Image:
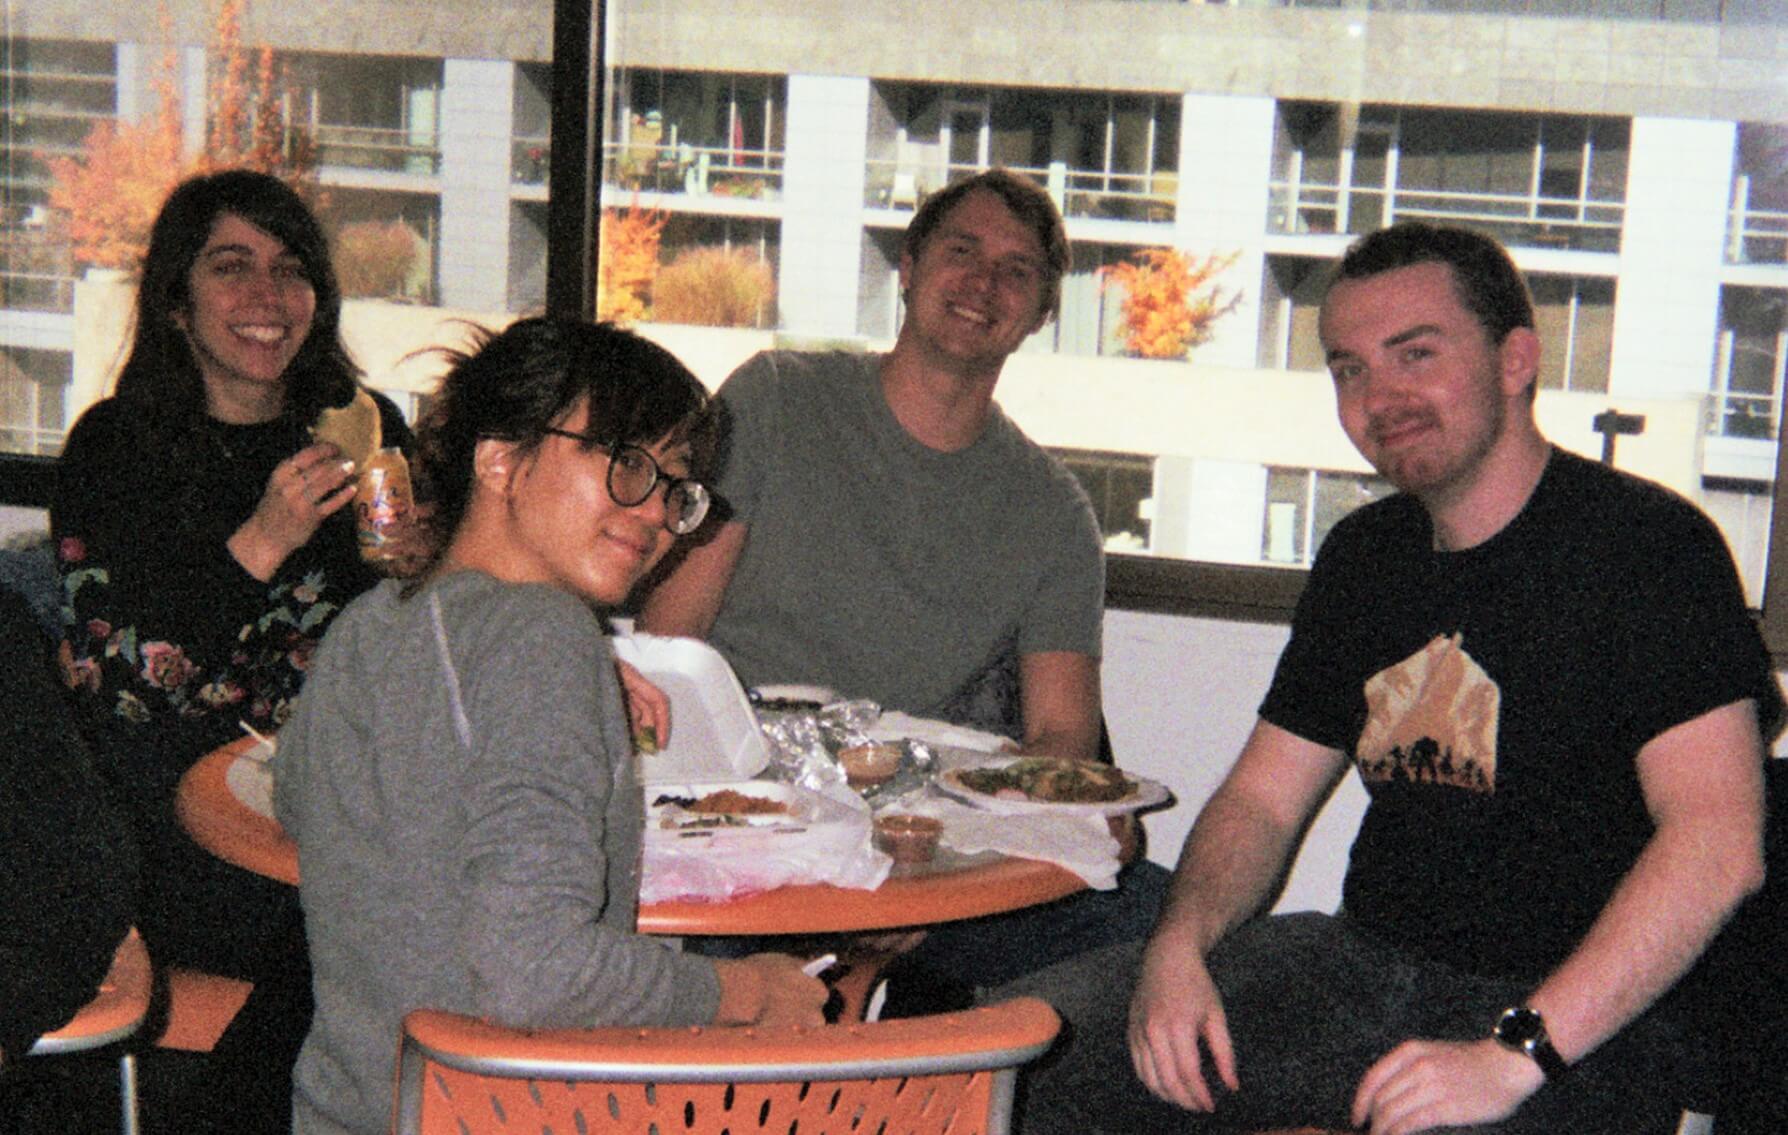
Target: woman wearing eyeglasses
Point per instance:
(459, 774)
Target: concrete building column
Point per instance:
(133, 93)
(1208, 509)
(823, 177)
(1666, 306)
(476, 115)
(1226, 157)
(194, 101)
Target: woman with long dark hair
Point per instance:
(205, 542)
(204, 539)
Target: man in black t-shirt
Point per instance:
(1546, 675)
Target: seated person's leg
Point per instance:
(958, 958)
(1309, 1007)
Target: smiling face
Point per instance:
(558, 524)
(250, 311)
(1421, 390)
(977, 288)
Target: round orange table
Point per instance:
(225, 826)
(954, 887)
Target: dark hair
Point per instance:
(1484, 278)
(1028, 202)
(161, 379)
(518, 383)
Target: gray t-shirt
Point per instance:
(883, 568)
(498, 879)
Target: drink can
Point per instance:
(382, 504)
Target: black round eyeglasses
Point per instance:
(632, 475)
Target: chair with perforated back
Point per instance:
(112, 1016)
(951, 1074)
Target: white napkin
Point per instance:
(734, 863)
(895, 726)
(1082, 844)
(250, 780)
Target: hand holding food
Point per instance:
(301, 492)
(648, 709)
(354, 429)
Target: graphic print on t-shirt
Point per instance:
(1431, 719)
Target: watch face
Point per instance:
(1519, 1028)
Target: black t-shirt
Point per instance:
(1495, 699)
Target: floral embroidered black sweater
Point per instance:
(169, 642)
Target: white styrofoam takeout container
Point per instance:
(714, 735)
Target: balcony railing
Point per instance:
(710, 171)
(36, 273)
(902, 184)
(1522, 220)
(1756, 236)
(1744, 415)
(394, 149)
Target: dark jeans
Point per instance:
(959, 960)
(243, 1086)
(1311, 1005)
(981, 954)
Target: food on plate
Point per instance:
(788, 705)
(354, 429)
(1050, 780)
(908, 838)
(721, 808)
(866, 766)
(728, 802)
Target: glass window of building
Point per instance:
(763, 166)
(424, 154)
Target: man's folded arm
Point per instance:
(687, 601)
(1703, 785)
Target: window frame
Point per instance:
(1245, 593)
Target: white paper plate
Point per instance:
(251, 781)
(1148, 794)
(896, 726)
(808, 813)
(714, 734)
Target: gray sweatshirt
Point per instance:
(495, 875)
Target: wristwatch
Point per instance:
(1523, 1030)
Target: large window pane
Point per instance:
(426, 162)
(1231, 455)
(1650, 216)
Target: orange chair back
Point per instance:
(113, 1015)
(115, 1012)
(950, 1074)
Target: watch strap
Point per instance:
(1523, 1030)
(1547, 1057)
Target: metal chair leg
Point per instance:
(127, 1093)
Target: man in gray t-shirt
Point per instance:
(892, 534)
(888, 570)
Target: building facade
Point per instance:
(1635, 161)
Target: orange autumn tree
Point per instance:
(627, 262)
(106, 197)
(1171, 300)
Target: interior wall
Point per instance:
(1180, 698)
